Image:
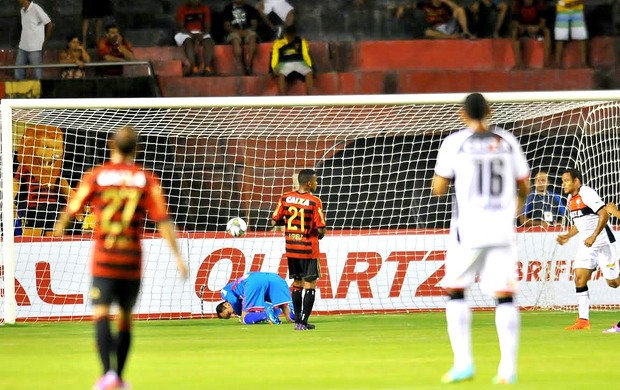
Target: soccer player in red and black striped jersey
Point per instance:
(301, 214)
(120, 193)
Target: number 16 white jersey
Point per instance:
(485, 168)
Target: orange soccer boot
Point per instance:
(580, 324)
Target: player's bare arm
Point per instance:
(612, 209)
(523, 189)
(61, 224)
(321, 232)
(167, 232)
(439, 186)
(563, 238)
(603, 217)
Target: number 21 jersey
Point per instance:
(302, 214)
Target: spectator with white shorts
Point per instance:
(290, 57)
(194, 20)
(276, 14)
(570, 19)
(595, 250)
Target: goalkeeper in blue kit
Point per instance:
(256, 297)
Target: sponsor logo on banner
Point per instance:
(371, 273)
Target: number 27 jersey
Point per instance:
(485, 168)
(303, 215)
(120, 195)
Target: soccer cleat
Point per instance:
(310, 326)
(122, 385)
(498, 380)
(580, 324)
(456, 376)
(613, 329)
(109, 381)
(273, 318)
(299, 326)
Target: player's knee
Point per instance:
(101, 312)
(310, 285)
(456, 294)
(613, 283)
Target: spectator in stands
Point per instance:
(489, 17)
(194, 20)
(528, 21)
(570, 18)
(290, 57)
(445, 19)
(94, 10)
(36, 30)
(240, 23)
(74, 54)
(542, 207)
(413, 19)
(113, 47)
(276, 14)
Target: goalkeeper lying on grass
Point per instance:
(256, 297)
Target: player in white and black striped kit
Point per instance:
(491, 182)
(590, 221)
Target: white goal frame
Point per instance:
(8, 105)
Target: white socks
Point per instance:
(583, 303)
(458, 316)
(508, 324)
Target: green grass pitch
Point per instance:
(408, 351)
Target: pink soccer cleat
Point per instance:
(613, 329)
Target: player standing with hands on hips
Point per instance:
(120, 193)
(302, 215)
(590, 218)
(491, 182)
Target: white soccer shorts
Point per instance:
(603, 257)
(495, 266)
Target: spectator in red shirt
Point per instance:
(446, 20)
(194, 20)
(113, 47)
(528, 21)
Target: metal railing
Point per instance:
(149, 66)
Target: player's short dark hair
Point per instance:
(476, 106)
(305, 175)
(219, 309)
(574, 174)
(126, 140)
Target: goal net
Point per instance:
(226, 157)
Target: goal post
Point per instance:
(224, 157)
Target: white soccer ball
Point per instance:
(236, 227)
